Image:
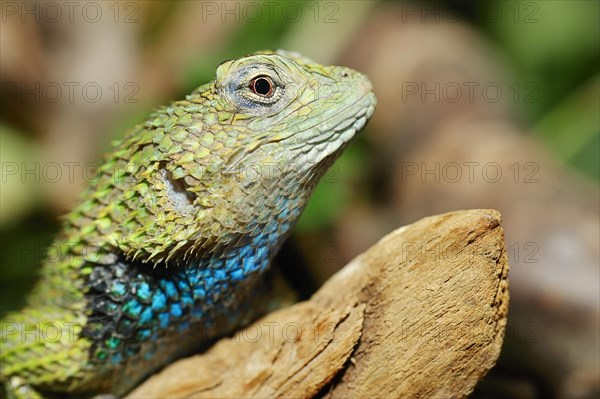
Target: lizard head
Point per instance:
(295, 110)
(289, 118)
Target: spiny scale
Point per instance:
(169, 247)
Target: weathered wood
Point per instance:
(421, 314)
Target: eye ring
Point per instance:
(262, 86)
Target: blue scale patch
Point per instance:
(237, 275)
(159, 301)
(230, 264)
(146, 316)
(163, 320)
(143, 292)
(187, 300)
(169, 288)
(199, 292)
(182, 285)
(133, 303)
(144, 334)
(118, 289)
(132, 308)
(112, 342)
(220, 275)
(176, 310)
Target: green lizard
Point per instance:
(174, 236)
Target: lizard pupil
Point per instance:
(262, 86)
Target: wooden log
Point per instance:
(421, 314)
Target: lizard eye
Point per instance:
(262, 86)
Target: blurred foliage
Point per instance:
(248, 38)
(555, 44)
(552, 43)
(18, 195)
(22, 250)
(571, 128)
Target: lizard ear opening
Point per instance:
(177, 191)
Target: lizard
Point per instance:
(176, 233)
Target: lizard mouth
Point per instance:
(352, 124)
(335, 137)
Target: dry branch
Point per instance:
(421, 314)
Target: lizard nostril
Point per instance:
(344, 74)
